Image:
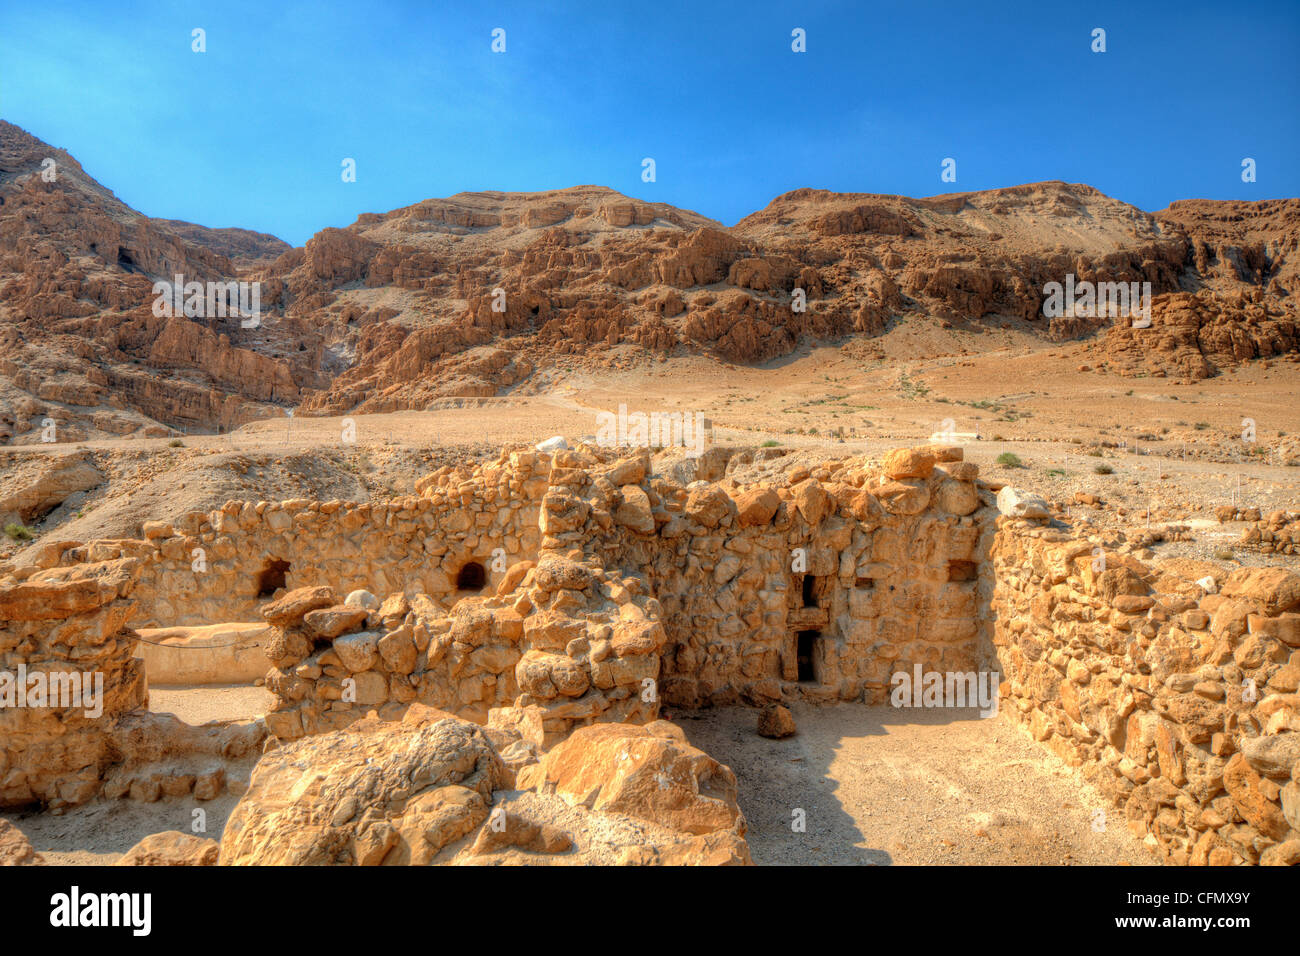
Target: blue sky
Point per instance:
(252, 132)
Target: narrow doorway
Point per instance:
(806, 643)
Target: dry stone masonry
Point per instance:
(547, 595)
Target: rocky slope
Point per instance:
(485, 292)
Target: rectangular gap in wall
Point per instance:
(864, 584)
(809, 595)
(962, 570)
(806, 640)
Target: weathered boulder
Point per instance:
(634, 512)
(373, 793)
(908, 463)
(290, 608)
(649, 772)
(1276, 589)
(756, 506)
(15, 848)
(172, 848)
(776, 722)
(1014, 503)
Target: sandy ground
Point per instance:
(199, 704)
(98, 833)
(878, 786)
(890, 786)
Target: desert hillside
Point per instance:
(400, 309)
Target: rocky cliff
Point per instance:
(480, 292)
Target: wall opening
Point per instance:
(809, 597)
(864, 584)
(471, 577)
(962, 570)
(271, 578)
(806, 641)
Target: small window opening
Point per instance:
(961, 570)
(471, 577)
(809, 598)
(271, 578)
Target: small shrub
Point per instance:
(770, 443)
(1223, 554)
(18, 532)
(176, 443)
(1104, 470)
(1008, 460)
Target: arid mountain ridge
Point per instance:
(396, 310)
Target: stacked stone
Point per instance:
(561, 645)
(1177, 695)
(897, 548)
(1278, 533)
(207, 567)
(62, 622)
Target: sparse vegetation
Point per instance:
(176, 443)
(770, 443)
(1008, 460)
(18, 532)
(1104, 470)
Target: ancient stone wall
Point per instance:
(872, 567)
(64, 631)
(1178, 698)
(221, 566)
(646, 591)
(561, 645)
(74, 722)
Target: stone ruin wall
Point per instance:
(894, 557)
(1180, 704)
(1135, 674)
(65, 623)
(413, 544)
(70, 622)
(645, 592)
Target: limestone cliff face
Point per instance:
(474, 293)
(81, 343)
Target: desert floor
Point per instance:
(877, 785)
